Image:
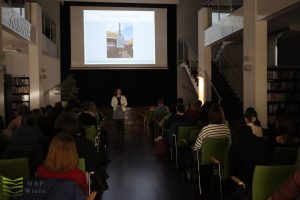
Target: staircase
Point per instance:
(232, 106)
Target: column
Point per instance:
(255, 61)
(2, 57)
(204, 53)
(35, 54)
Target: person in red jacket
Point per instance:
(290, 189)
(61, 162)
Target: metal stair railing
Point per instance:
(188, 58)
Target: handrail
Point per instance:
(189, 47)
(232, 64)
(213, 86)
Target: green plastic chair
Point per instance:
(81, 164)
(267, 179)
(201, 124)
(183, 135)
(15, 168)
(213, 151)
(285, 155)
(193, 136)
(91, 132)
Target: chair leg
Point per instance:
(220, 179)
(199, 178)
(176, 150)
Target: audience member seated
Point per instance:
(3, 139)
(172, 111)
(216, 128)
(29, 133)
(87, 117)
(290, 189)
(251, 120)
(61, 162)
(285, 129)
(68, 122)
(246, 152)
(204, 111)
(176, 118)
(17, 122)
(198, 104)
(160, 111)
(192, 113)
(179, 102)
(27, 141)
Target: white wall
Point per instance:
(17, 64)
(185, 89)
(187, 22)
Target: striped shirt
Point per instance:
(212, 130)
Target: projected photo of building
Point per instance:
(119, 39)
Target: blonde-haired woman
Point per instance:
(61, 162)
(119, 103)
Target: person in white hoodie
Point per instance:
(119, 103)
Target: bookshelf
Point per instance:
(20, 92)
(283, 91)
(17, 93)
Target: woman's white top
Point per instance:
(114, 102)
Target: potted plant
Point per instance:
(68, 89)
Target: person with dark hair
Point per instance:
(172, 111)
(176, 118)
(285, 129)
(17, 122)
(160, 110)
(119, 103)
(29, 133)
(251, 120)
(216, 128)
(86, 116)
(192, 113)
(179, 102)
(198, 105)
(204, 111)
(27, 141)
(246, 152)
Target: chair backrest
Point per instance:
(214, 147)
(201, 124)
(150, 115)
(193, 136)
(285, 155)
(15, 168)
(81, 164)
(267, 179)
(183, 135)
(91, 132)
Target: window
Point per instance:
(48, 27)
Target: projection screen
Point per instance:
(118, 38)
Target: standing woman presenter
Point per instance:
(119, 103)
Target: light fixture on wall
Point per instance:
(201, 85)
